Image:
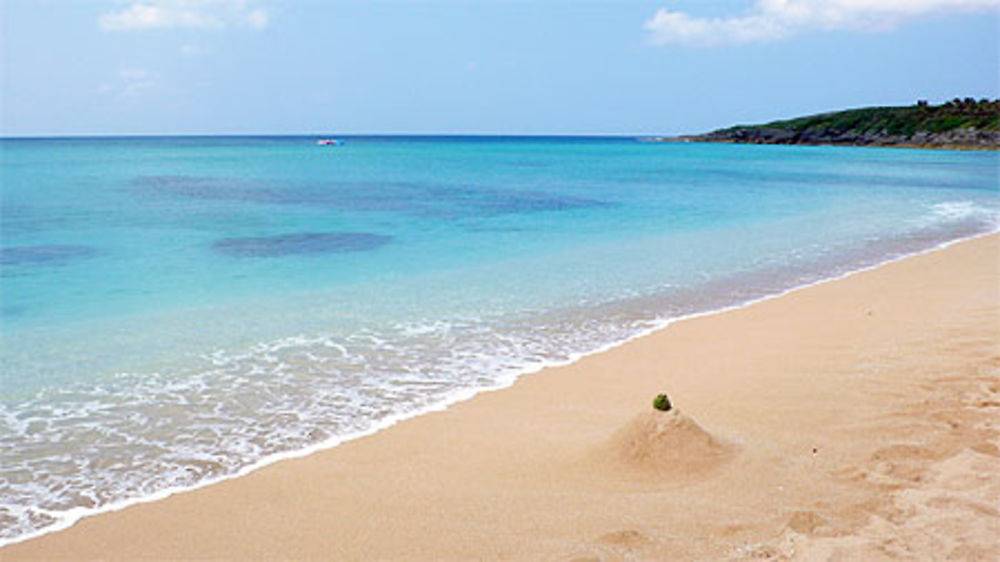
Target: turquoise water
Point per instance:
(177, 310)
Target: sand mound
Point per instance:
(667, 443)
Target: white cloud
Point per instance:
(129, 83)
(191, 50)
(771, 20)
(190, 14)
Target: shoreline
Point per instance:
(960, 147)
(326, 449)
(75, 515)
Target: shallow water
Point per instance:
(175, 310)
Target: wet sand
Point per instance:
(856, 419)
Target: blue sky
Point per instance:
(450, 66)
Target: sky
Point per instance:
(119, 67)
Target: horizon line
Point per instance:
(69, 136)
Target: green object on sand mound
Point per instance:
(662, 403)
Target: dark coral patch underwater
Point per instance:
(413, 198)
(301, 243)
(44, 254)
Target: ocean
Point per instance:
(179, 310)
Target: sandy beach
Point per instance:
(858, 419)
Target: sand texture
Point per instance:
(854, 420)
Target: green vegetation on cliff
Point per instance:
(958, 123)
(956, 114)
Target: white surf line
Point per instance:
(68, 518)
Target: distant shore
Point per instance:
(855, 418)
(701, 139)
(960, 124)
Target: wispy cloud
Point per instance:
(191, 50)
(772, 20)
(129, 83)
(180, 14)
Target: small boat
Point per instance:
(329, 142)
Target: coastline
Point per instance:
(545, 461)
(959, 124)
(961, 147)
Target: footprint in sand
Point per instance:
(948, 502)
(986, 448)
(905, 462)
(627, 544)
(629, 538)
(806, 523)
